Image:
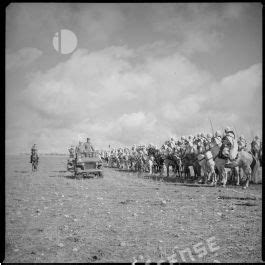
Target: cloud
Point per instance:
(114, 98)
(239, 95)
(22, 58)
(195, 27)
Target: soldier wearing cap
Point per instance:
(87, 147)
(242, 143)
(218, 138)
(229, 136)
(229, 133)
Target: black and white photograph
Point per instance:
(133, 132)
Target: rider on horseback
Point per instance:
(209, 140)
(34, 151)
(229, 136)
(227, 141)
(242, 143)
(256, 146)
(218, 138)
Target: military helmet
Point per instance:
(227, 129)
(209, 135)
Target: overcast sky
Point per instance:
(140, 73)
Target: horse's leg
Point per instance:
(161, 169)
(247, 171)
(237, 175)
(150, 167)
(213, 175)
(224, 175)
(202, 178)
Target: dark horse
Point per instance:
(175, 162)
(191, 160)
(158, 159)
(34, 160)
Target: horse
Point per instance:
(171, 159)
(34, 160)
(188, 160)
(247, 161)
(156, 160)
(114, 161)
(125, 161)
(205, 160)
(139, 165)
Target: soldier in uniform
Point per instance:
(88, 147)
(218, 138)
(207, 141)
(34, 150)
(227, 140)
(72, 152)
(242, 143)
(255, 146)
(229, 135)
(78, 149)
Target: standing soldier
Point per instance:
(78, 149)
(88, 147)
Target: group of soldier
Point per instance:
(226, 138)
(196, 144)
(138, 156)
(82, 149)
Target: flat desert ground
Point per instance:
(124, 217)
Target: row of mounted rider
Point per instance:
(212, 154)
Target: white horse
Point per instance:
(242, 159)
